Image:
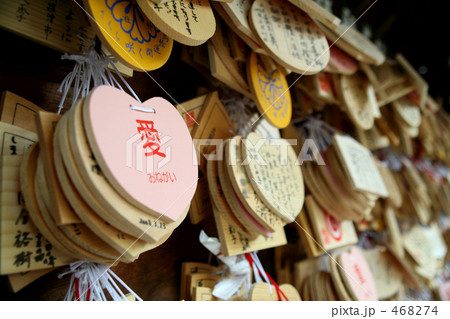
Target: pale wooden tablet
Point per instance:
(236, 15)
(129, 34)
(290, 36)
(388, 278)
(244, 189)
(57, 25)
(221, 73)
(129, 246)
(354, 97)
(187, 22)
(261, 292)
(27, 186)
(221, 42)
(271, 91)
(354, 43)
(252, 224)
(395, 196)
(15, 140)
(306, 234)
(217, 196)
(19, 281)
(233, 242)
(315, 11)
(23, 246)
(278, 180)
(142, 224)
(330, 232)
(60, 209)
(356, 275)
(338, 284)
(359, 165)
(408, 112)
(188, 268)
(18, 111)
(77, 236)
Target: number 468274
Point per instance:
(415, 310)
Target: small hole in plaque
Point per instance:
(142, 109)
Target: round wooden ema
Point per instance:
(244, 189)
(27, 182)
(123, 132)
(261, 292)
(407, 111)
(354, 43)
(336, 279)
(129, 34)
(251, 224)
(188, 22)
(340, 62)
(75, 250)
(79, 234)
(355, 99)
(81, 187)
(327, 287)
(127, 245)
(141, 224)
(271, 90)
(275, 175)
(356, 275)
(290, 36)
(388, 279)
(217, 195)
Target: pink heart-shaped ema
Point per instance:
(144, 150)
(357, 275)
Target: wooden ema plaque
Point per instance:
(234, 242)
(55, 24)
(330, 232)
(315, 11)
(163, 141)
(187, 22)
(18, 111)
(129, 34)
(359, 166)
(290, 36)
(214, 124)
(356, 275)
(354, 43)
(23, 247)
(261, 292)
(235, 13)
(278, 179)
(271, 90)
(87, 176)
(59, 206)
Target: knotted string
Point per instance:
(240, 111)
(91, 69)
(259, 271)
(237, 274)
(317, 130)
(91, 279)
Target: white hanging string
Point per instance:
(238, 274)
(257, 265)
(319, 131)
(90, 279)
(239, 110)
(90, 68)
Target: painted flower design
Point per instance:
(132, 20)
(272, 88)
